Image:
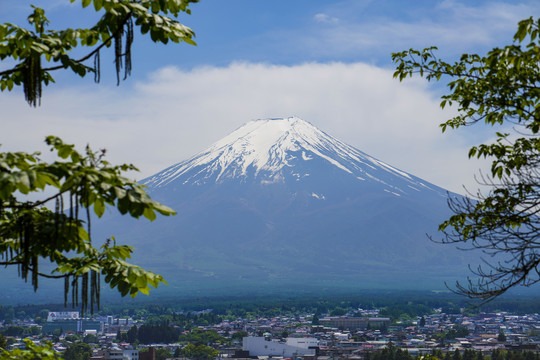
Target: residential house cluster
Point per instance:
(352, 336)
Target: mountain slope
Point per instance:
(280, 204)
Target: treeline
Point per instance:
(186, 321)
(187, 312)
(150, 334)
(391, 352)
(495, 355)
(164, 334)
(20, 331)
(206, 337)
(397, 311)
(392, 304)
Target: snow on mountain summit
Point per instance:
(268, 147)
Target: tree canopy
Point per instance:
(31, 233)
(31, 351)
(199, 352)
(501, 90)
(78, 351)
(38, 51)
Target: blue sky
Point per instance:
(325, 61)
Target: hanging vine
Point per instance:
(127, 52)
(122, 59)
(27, 234)
(118, 53)
(31, 79)
(97, 67)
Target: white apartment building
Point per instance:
(259, 346)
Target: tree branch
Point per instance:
(81, 60)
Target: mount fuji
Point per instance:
(280, 205)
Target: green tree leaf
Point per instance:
(501, 90)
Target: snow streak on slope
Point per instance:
(271, 145)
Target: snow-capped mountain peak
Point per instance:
(267, 148)
(262, 144)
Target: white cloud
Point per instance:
(175, 114)
(455, 27)
(325, 19)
